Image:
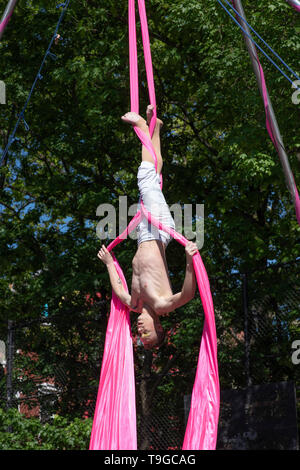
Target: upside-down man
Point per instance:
(151, 292)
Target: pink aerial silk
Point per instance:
(114, 425)
(202, 427)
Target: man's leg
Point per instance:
(156, 137)
(137, 120)
(147, 180)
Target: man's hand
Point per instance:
(190, 249)
(105, 256)
(116, 283)
(168, 304)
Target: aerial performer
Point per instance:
(151, 292)
(114, 423)
(7, 15)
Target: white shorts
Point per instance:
(155, 203)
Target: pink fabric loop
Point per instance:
(114, 425)
(202, 427)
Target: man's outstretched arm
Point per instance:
(188, 290)
(116, 283)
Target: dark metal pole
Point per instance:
(246, 329)
(10, 357)
(271, 115)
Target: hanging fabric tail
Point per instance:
(7, 15)
(114, 425)
(202, 427)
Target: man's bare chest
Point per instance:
(150, 280)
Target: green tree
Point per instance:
(77, 154)
(31, 434)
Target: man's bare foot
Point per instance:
(134, 119)
(149, 113)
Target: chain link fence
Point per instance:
(257, 318)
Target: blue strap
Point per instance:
(53, 56)
(39, 76)
(257, 45)
(21, 116)
(265, 43)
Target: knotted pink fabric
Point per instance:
(114, 415)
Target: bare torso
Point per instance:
(150, 279)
